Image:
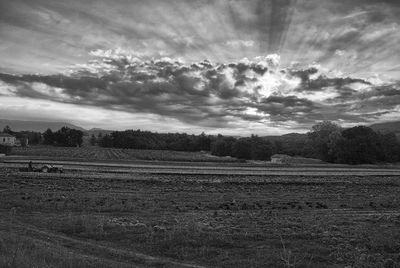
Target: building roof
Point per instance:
(6, 135)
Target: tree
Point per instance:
(359, 145)
(5, 149)
(204, 142)
(390, 147)
(222, 147)
(68, 137)
(93, 140)
(8, 130)
(48, 137)
(242, 148)
(106, 141)
(324, 138)
(260, 149)
(35, 138)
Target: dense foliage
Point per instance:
(5, 149)
(326, 141)
(356, 145)
(137, 139)
(63, 137)
(244, 148)
(25, 137)
(255, 148)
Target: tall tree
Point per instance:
(260, 149)
(68, 137)
(93, 140)
(48, 137)
(242, 148)
(324, 136)
(8, 130)
(360, 145)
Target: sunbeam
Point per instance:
(206, 63)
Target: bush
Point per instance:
(65, 136)
(242, 149)
(222, 146)
(5, 149)
(356, 145)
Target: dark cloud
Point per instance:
(210, 94)
(284, 108)
(321, 82)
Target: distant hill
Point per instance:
(97, 131)
(387, 127)
(288, 137)
(290, 144)
(39, 126)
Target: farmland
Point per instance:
(197, 214)
(98, 153)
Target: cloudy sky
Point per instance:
(223, 66)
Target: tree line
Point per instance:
(65, 136)
(326, 141)
(24, 137)
(356, 145)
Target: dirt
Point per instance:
(136, 217)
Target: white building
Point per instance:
(280, 159)
(7, 139)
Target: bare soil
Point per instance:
(193, 216)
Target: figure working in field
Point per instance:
(30, 167)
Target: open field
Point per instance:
(90, 153)
(190, 215)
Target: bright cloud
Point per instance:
(216, 65)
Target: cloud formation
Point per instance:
(208, 94)
(271, 63)
(47, 36)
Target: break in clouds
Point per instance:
(228, 66)
(208, 94)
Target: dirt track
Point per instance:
(188, 168)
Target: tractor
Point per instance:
(46, 168)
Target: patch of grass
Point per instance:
(19, 252)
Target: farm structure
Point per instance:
(280, 159)
(7, 139)
(293, 160)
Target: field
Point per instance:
(89, 153)
(156, 214)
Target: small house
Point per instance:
(7, 139)
(280, 159)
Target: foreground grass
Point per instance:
(378, 247)
(61, 222)
(17, 251)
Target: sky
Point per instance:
(234, 67)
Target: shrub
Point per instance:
(5, 149)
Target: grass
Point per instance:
(18, 250)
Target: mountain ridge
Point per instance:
(392, 126)
(37, 126)
(41, 126)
